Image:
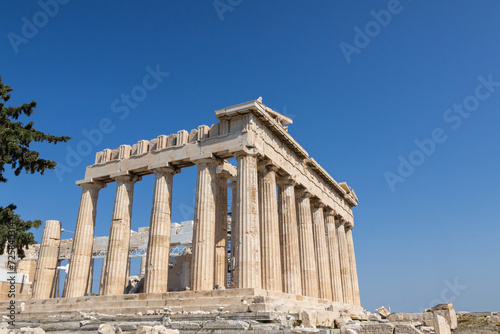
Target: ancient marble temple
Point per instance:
(291, 222)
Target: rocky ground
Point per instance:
(474, 323)
(441, 319)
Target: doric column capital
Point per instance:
(317, 203)
(85, 184)
(266, 165)
(339, 220)
(349, 225)
(207, 160)
(285, 180)
(126, 177)
(329, 212)
(302, 193)
(169, 169)
(226, 171)
(246, 152)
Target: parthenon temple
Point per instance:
(290, 222)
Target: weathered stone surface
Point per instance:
(308, 265)
(185, 325)
(318, 318)
(425, 318)
(384, 313)
(43, 283)
(156, 264)
(368, 328)
(81, 253)
(226, 324)
(345, 265)
(246, 234)
(440, 325)
(159, 329)
(406, 329)
(342, 320)
(27, 330)
(202, 268)
(269, 228)
(117, 258)
(447, 311)
(292, 281)
(106, 329)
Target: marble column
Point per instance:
(55, 286)
(203, 260)
(143, 266)
(81, 251)
(115, 278)
(352, 260)
(309, 269)
(234, 202)
(103, 272)
(88, 290)
(289, 237)
(269, 228)
(334, 257)
(43, 282)
(345, 264)
(247, 265)
(220, 231)
(158, 252)
(321, 249)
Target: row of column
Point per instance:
(282, 239)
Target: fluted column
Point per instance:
(43, 283)
(115, 278)
(334, 257)
(220, 231)
(88, 290)
(202, 264)
(352, 260)
(345, 264)
(234, 202)
(289, 237)
(103, 273)
(321, 249)
(81, 251)
(158, 253)
(143, 266)
(269, 228)
(309, 270)
(55, 287)
(247, 271)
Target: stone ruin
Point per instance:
(292, 254)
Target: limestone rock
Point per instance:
(27, 330)
(159, 329)
(317, 318)
(441, 325)
(406, 329)
(226, 324)
(343, 320)
(107, 329)
(447, 311)
(368, 328)
(384, 313)
(425, 318)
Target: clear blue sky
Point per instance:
(358, 107)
